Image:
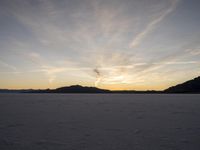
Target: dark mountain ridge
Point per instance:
(191, 86)
(79, 89)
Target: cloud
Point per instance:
(52, 72)
(122, 68)
(6, 65)
(178, 62)
(97, 81)
(138, 39)
(98, 76)
(91, 38)
(194, 52)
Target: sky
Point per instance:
(111, 44)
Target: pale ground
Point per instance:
(99, 122)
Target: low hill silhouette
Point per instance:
(191, 86)
(79, 89)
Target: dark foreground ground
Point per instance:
(99, 122)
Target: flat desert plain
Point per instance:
(99, 122)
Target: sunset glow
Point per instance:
(111, 44)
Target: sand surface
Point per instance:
(99, 122)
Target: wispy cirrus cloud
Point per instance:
(6, 65)
(194, 52)
(150, 26)
(91, 39)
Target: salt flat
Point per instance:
(99, 122)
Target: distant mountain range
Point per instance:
(191, 86)
(75, 89)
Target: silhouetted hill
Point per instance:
(79, 89)
(191, 86)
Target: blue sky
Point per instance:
(114, 44)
